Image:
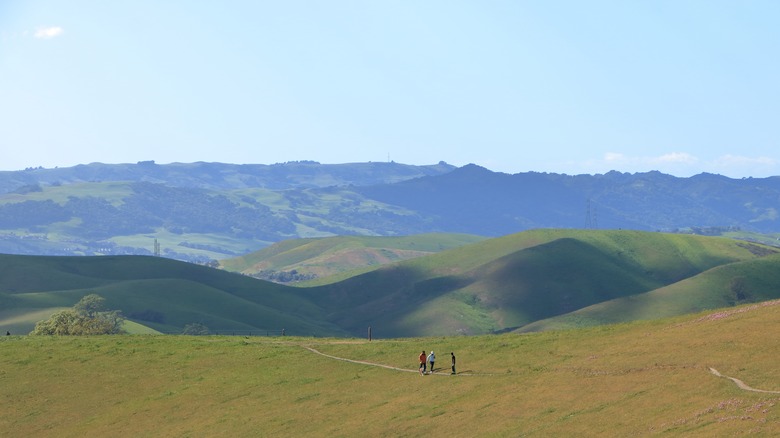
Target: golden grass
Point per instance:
(644, 379)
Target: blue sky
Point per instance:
(572, 87)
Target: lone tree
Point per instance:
(88, 317)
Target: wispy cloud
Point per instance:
(672, 158)
(676, 157)
(48, 32)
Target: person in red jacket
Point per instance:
(423, 360)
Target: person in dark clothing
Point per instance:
(453, 363)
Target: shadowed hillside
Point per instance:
(500, 204)
(160, 293)
(505, 283)
(728, 285)
(489, 286)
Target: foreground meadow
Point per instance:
(647, 378)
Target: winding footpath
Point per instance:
(358, 361)
(741, 384)
(362, 362)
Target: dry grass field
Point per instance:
(638, 379)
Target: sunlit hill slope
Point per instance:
(639, 379)
(581, 277)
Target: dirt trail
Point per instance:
(362, 362)
(741, 384)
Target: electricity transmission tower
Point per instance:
(591, 216)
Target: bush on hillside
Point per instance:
(195, 329)
(283, 276)
(88, 317)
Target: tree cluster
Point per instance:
(88, 317)
(283, 276)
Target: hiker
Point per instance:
(422, 363)
(453, 363)
(7, 333)
(431, 359)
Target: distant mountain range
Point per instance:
(221, 176)
(211, 211)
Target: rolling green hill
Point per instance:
(735, 283)
(640, 379)
(489, 286)
(339, 257)
(159, 293)
(506, 283)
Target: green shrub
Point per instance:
(87, 317)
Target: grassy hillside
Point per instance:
(639, 379)
(160, 293)
(508, 282)
(735, 283)
(772, 239)
(194, 224)
(489, 286)
(332, 257)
